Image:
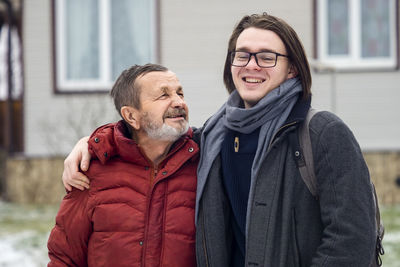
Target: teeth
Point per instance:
(253, 80)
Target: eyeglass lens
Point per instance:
(263, 59)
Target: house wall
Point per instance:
(193, 43)
(368, 103)
(53, 122)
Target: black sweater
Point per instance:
(237, 153)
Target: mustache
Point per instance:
(176, 112)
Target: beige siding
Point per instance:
(367, 102)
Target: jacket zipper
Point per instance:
(146, 227)
(153, 177)
(281, 128)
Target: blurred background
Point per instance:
(59, 59)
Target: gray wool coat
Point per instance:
(286, 226)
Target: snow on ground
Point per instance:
(23, 249)
(24, 230)
(391, 245)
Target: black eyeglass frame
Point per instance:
(232, 53)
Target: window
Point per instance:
(357, 34)
(96, 39)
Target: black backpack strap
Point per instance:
(197, 134)
(307, 171)
(380, 229)
(302, 150)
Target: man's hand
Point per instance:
(72, 177)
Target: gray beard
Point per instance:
(165, 132)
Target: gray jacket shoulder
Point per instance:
(324, 119)
(328, 129)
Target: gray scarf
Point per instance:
(269, 113)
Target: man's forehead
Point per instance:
(252, 39)
(160, 80)
(159, 76)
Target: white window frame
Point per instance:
(104, 82)
(354, 60)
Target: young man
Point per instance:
(139, 210)
(253, 208)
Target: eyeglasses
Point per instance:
(263, 59)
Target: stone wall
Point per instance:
(34, 180)
(38, 180)
(384, 169)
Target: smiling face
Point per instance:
(253, 82)
(163, 113)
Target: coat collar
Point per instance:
(296, 116)
(300, 110)
(112, 140)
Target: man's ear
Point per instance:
(131, 116)
(292, 71)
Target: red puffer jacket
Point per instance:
(133, 215)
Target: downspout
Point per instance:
(9, 147)
(10, 113)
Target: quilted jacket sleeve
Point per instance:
(68, 241)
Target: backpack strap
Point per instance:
(380, 231)
(307, 167)
(197, 135)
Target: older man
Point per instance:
(140, 206)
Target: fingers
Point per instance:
(79, 181)
(85, 161)
(72, 177)
(67, 186)
(67, 173)
(83, 151)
